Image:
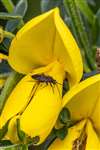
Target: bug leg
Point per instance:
(58, 83)
(44, 85)
(33, 91)
(52, 87)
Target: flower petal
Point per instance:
(67, 51)
(82, 98)
(45, 39)
(12, 131)
(32, 46)
(96, 115)
(39, 116)
(73, 133)
(17, 99)
(70, 142)
(93, 141)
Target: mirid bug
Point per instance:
(44, 78)
(40, 78)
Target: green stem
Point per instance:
(85, 63)
(77, 21)
(4, 75)
(8, 4)
(24, 147)
(8, 35)
(86, 68)
(12, 147)
(8, 87)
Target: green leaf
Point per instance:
(4, 75)
(24, 147)
(61, 133)
(80, 30)
(20, 133)
(20, 9)
(12, 25)
(7, 16)
(85, 9)
(91, 17)
(65, 116)
(4, 67)
(11, 147)
(49, 4)
(91, 2)
(98, 18)
(5, 143)
(8, 4)
(98, 15)
(4, 130)
(33, 9)
(10, 83)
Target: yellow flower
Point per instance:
(80, 136)
(83, 101)
(36, 105)
(43, 40)
(43, 46)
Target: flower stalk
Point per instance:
(8, 35)
(5, 34)
(8, 87)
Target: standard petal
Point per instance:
(32, 46)
(67, 51)
(82, 98)
(45, 39)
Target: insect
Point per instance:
(44, 78)
(40, 78)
